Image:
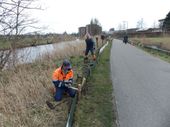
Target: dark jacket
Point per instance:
(125, 39)
(89, 43)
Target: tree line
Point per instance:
(166, 23)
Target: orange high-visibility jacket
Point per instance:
(59, 75)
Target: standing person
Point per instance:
(97, 42)
(63, 79)
(102, 37)
(89, 46)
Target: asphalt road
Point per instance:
(141, 86)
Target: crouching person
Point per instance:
(63, 79)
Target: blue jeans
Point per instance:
(60, 90)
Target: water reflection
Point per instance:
(29, 54)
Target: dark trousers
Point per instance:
(60, 90)
(89, 49)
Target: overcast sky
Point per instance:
(68, 15)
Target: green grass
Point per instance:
(4, 45)
(95, 109)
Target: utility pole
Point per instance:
(125, 25)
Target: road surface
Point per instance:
(141, 86)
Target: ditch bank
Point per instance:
(96, 108)
(154, 50)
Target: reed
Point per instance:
(162, 42)
(24, 90)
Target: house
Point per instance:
(132, 30)
(92, 29)
(82, 31)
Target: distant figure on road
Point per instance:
(125, 39)
(90, 46)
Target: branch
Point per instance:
(25, 7)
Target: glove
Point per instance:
(68, 82)
(68, 85)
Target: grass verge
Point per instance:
(161, 42)
(159, 54)
(153, 41)
(95, 109)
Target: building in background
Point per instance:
(92, 29)
(82, 31)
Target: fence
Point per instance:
(86, 71)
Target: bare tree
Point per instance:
(13, 21)
(166, 23)
(120, 26)
(95, 21)
(13, 18)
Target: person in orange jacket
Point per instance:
(62, 79)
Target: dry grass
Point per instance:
(24, 90)
(162, 42)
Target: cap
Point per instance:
(66, 64)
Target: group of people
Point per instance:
(62, 77)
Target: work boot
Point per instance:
(85, 59)
(94, 57)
